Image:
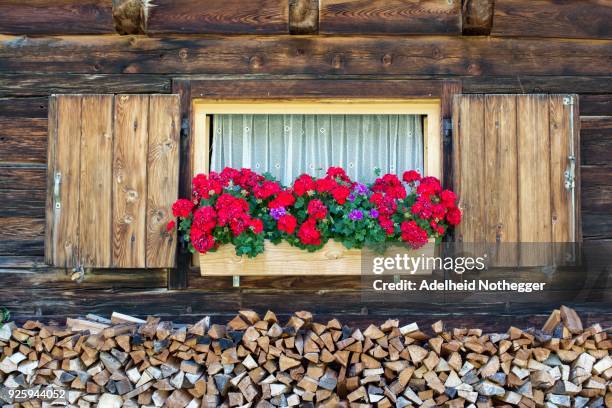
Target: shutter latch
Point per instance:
(570, 174)
(57, 180)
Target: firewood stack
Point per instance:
(257, 362)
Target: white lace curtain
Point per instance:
(289, 145)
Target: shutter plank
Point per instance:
(162, 175)
(534, 179)
(130, 180)
(95, 218)
(51, 166)
(470, 169)
(67, 157)
(501, 158)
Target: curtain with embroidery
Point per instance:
(289, 145)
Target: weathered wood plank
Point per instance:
(63, 175)
(219, 17)
(596, 226)
(319, 55)
(477, 17)
(469, 143)
(596, 105)
(32, 84)
(22, 228)
(22, 203)
(596, 140)
(162, 179)
(551, 18)
(95, 218)
(534, 168)
(561, 199)
(56, 17)
(314, 88)
(16, 147)
(23, 177)
(303, 16)
(593, 176)
(501, 169)
(129, 180)
(390, 17)
(450, 88)
(105, 279)
(24, 107)
(524, 84)
(597, 199)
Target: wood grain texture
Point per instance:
(95, 207)
(534, 191)
(501, 177)
(130, 180)
(21, 84)
(37, 17)
(283, 259)
(219, 17)
(477, 17)
(450, 88)
(303, 16)
(23, 177)
(596, 140)
(15, 148)
(390, 17)
(469, 154)
(162, 179)
(63, 195)
(24, 107)
(22, 228)
(553, 18)
(317, 55)
(22, 203)
(596, 105)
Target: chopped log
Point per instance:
(477, 17)
(303, 16)
(130, 16)
(126, 361)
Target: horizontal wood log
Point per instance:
(24, 107)
(20, 84)
(22, 203)
(390, 17)
(592, 176)
(22, 228)
(596, 141)
(551, 18)
(107, 279)
(314, 88)
(56, 17)
(538, 84)
(472, 56)
(596, 105)
(596, 226)
(130, 16)
(23, 140)
(23, 177)
(597, 198)
(219, 16)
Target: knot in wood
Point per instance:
(255, 62)
(132, 195)
(337, 61)
(183, 54)
(387, 60)
(128, 219)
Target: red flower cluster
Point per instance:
(390, 186)
(412, 234)
(287, 223)
(316, 209)
(308, 232)
(182, 208)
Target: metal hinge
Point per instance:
(570, 174)
(568, 100)
(56, 190)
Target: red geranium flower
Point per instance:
(283, 199)
(338, 172)
(182, 208)
(386, 224)
(325, 185)
(205, 186)
(448, 198)
(429, 186)
(411, 176)
(287, 223)
(266, 189)
(201, 241)
(171, 225)
(205, 219)
(340, 194)
(316, 209)
(453, 216)
(414, 235)
(308, 233)
(390, 185)
(256, 225)
(303, 184)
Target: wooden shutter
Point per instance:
(112, 177)
(510, 158)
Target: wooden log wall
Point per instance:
(69, 46)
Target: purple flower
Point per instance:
(276, 213)
(374, 213)
(355, 215)
(351, 197)
(360, 188)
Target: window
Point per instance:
(288, 138)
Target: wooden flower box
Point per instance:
(284, 259)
